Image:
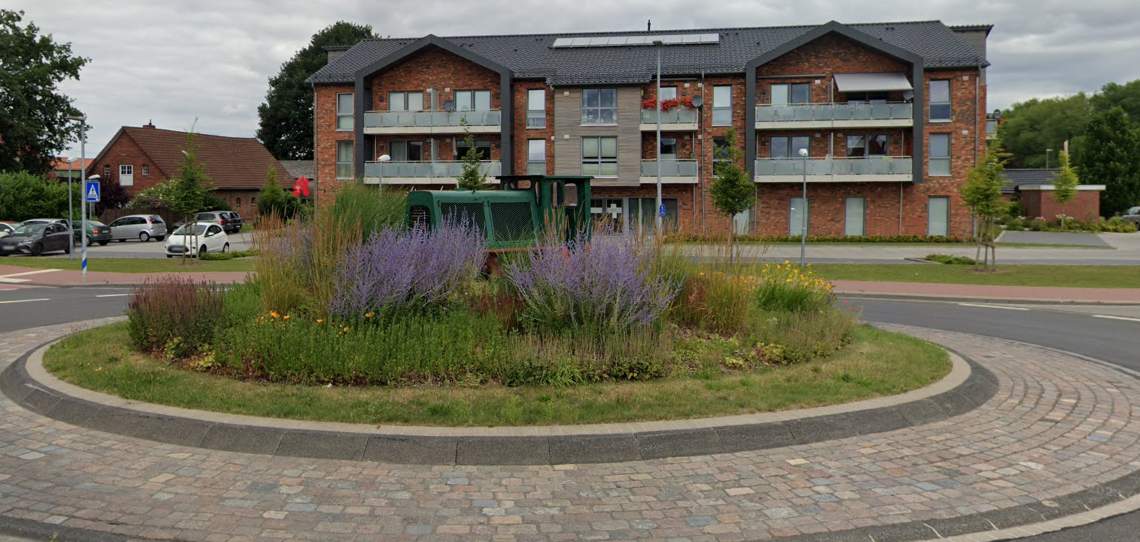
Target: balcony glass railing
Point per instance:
(677, 115)
(535, 119)
(669, 168)
(874, 165)
(427, 119)
(425, 170)
(536, 168)
(833, 111)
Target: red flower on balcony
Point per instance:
(684, 101)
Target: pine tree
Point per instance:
(471, 178)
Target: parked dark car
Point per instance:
(221, 218)
(36, 239)
(97, 232)
(235, 223)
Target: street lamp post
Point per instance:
(659, 211)
(804, 211)
(82, 174)
(383, 159)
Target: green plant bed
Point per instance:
(874, 363)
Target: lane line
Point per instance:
(24, 300)
(986, 306)
(26, 273)
(113, 295)
(1111, 317)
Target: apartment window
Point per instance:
(938, 216)
(536, 108)
(939, 155)
(796, 93)
(344, 159)
(722, 106)
(797, 216)
(146, 170)
(668, 148)
(599, 156)
(126, 175)
(788, 146)
(344, 112)
(106, 171)
(407, 151)
(536, 157)
(940, 100)
(856, 146)
(861, 145)
(405, 101)
(599, 106)
(668, 93)
(877, 145)
(854, 214)
(482, 147)
(473, 100)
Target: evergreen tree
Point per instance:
(472, 177)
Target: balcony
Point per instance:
(423, 172)
(432, 122)
(672, 171)
(860, 170)
(676, 119)
(834, 115)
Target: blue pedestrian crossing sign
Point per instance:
(91, 192)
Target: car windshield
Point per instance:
(29, 229)
(199, 229)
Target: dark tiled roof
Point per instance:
(530, 56)
(1027, 176)
(299, 168)
(230, 162)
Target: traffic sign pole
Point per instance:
(91, 194)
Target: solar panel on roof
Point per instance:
(640, 39)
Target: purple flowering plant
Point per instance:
(407, 269)
(602, 285)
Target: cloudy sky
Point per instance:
(174, 62)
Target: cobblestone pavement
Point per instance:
(1057, 425)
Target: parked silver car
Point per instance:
(141, 227)
(1132, 215)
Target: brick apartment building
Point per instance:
(893, 116)
(138, 158)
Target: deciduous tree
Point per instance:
(1109, 154)
(982, 194)
(34, 125)
(1065, 184)
(286, 125)
(732, 191)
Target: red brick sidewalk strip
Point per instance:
(988, 292)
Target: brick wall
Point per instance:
(522, 134)
(815, 63)
(124, 150)
(1085, 206)
(437, 69)
(326, 135)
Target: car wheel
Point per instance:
(202, 251)
(103, 243)
(159, 237)
(67, 250)
(144, 237)
(169, 256)
(121, 240)
(37, 249)
(225, 248)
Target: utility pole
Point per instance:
(660, 206)
(804, 211)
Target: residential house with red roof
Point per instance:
(137, 158)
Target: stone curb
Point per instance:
(981, 299)
(968, 386)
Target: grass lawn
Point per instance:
(134, 265)
(1080, 276)
(877, 363)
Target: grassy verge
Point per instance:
(1080, 276)
(135, 265)
(877, 363)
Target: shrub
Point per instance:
(24, 196)
(284, 259)
(174, 316)
(369, 209)
(786, 287)
(798, 337)
(950, 259)
(603, 286)
(408, 269)
(718, 301)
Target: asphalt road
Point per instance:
(1108, 333)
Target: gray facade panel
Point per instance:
(568, 133)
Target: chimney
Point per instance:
(149, 124)
(334, 52)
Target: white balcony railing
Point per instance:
(677, 115)
(426, 170)
(830, 112)
(818, 167)
(430, 119)
(669, 168)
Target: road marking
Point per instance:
(24, 300)
(10, 278)
(112, 295)
(985, 306)
(1111, 317)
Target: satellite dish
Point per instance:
(698, 101)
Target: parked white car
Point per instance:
(202, 239)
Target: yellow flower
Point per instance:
(286, 317)
(320, 321)
(274, 314)
(369, 314)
